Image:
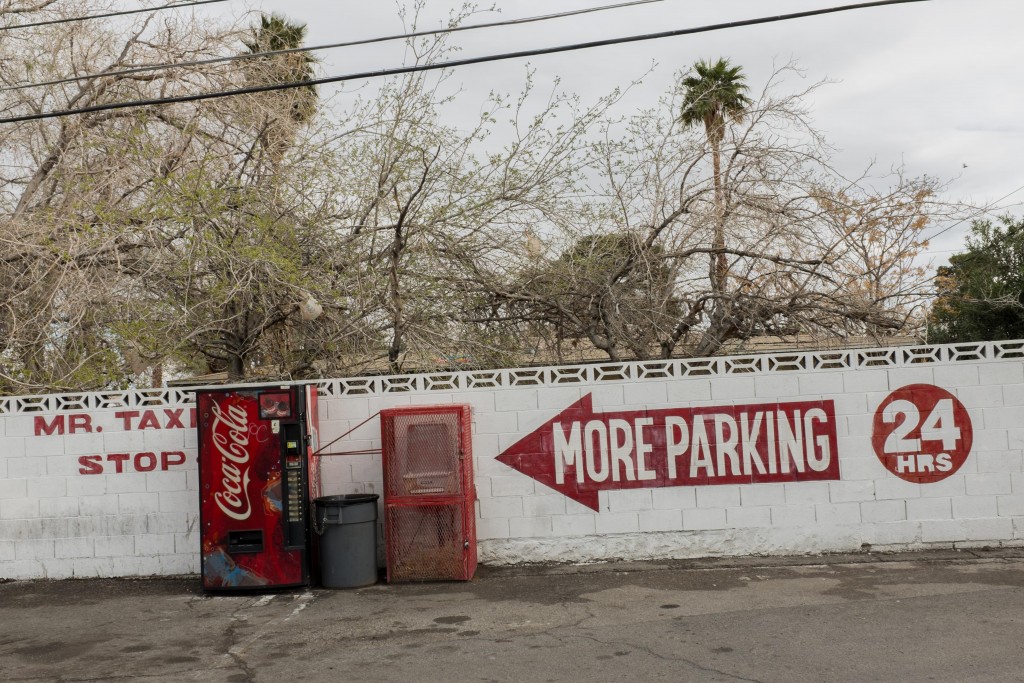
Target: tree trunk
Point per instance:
(713, 338)
(720, 264)
(236, 368)
(398, 322)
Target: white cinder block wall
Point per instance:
(98, 485)
(105, 484)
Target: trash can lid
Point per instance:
(346, 499)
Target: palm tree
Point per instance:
(289, 108)
(715, 94)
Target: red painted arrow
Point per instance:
(579, 452)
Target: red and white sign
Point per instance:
(229, 434)
(579, 452)
(73, 424)
(922, 433)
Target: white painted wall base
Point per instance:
(685, 545)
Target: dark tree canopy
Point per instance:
(981, 291)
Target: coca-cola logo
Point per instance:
(231, 439)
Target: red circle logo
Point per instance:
(922, 433)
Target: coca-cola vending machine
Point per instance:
(257, 477)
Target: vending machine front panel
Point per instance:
(253, 489)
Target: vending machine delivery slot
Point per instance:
(245, 541)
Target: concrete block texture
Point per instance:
(929, 508)
(34, 550)
(883, 511)
(837, 514)
(494, 527)
(58, 519)
(67, 548)
(688, 390)
(793, 515)
(543, 505)
(575, 525)
(507, 506)
(988, 529)
(974, 507)
(896, 489)
(977, 397)
(645, 393)
(513, 400)
(734, 389)
(762, 494)
(1006, 372)
(815, 384)
(530, 527)
(901, 377)
(20, 468)
(706, 518)
(660, 520)
(772, 387)
(718, 496)
(13, 488)
(515, 485)
(750, 516)
(617, 523)
(958, 376)
(989, 483)
(680, 498)
(631, 499)
(806, 493)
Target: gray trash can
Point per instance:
(347, 526)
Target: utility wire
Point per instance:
(330, 46)
(446, 65)
(987, 209)
(87, 17)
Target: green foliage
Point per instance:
(715, 94)
(981, 292)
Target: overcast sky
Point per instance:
(930, 85)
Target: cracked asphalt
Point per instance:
(939, 616)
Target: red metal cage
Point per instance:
(429, 497)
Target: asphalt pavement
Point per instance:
(937, 616)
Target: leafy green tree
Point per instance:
(244, 227)
(981, 291)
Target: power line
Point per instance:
(446, 65)
(88, 17)
(934, 252)
(331, 46)
(985, 210)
